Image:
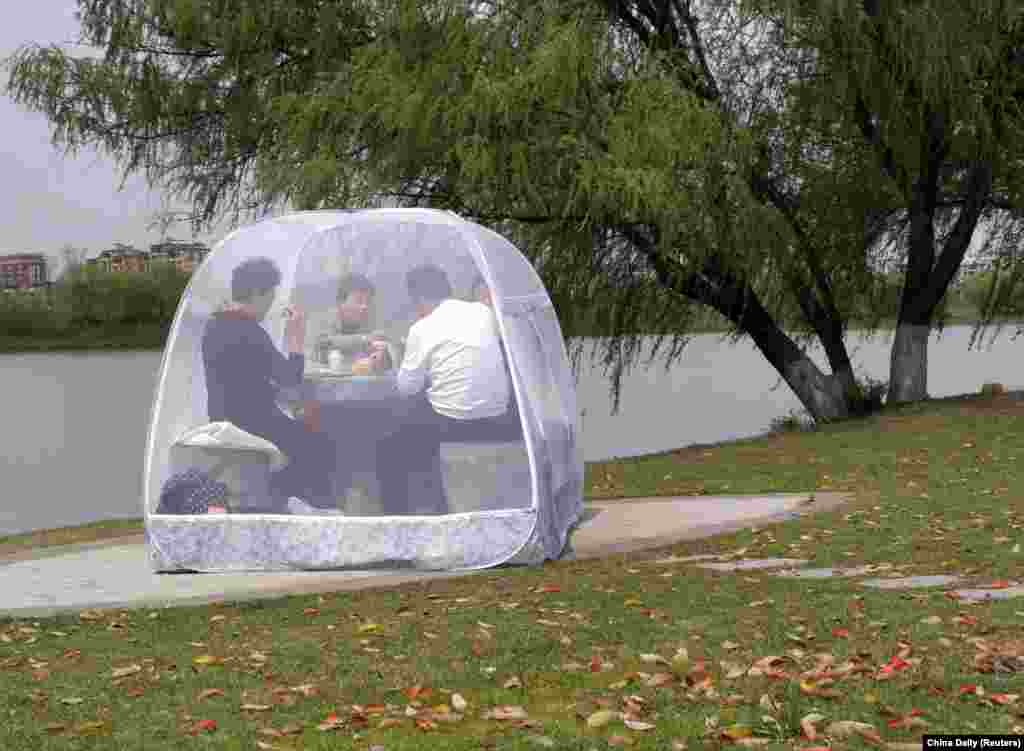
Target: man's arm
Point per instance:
(412, 375)
(284, 371)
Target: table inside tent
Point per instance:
(358, 411)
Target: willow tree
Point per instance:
(646, 152)
(934, 91)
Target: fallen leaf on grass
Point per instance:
(72, 700)
(547, 589)
(89, 727)
(911, 719)
(331, 722)
(513, 682)
(816, 688)
(638, 725)
(416, 692)
(807, 724)
(736, 733)
(126, 671)
(732, 670)
(660, 679)
(768, 666)
(601, 718)
(203, 726)
(848, 728)
(210, 692)
(890, 668)
(255, 707)
(206, 660)
(1003, 698)
(653, 659)
(458, 703)
(506, 712)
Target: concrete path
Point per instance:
(117, 574)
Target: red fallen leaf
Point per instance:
(699, 680)
(203, 726)
(416, 692)
(999, 584)
(936, 691)
(908, 720)
(1003, 698)
(311, 611)
(965, 620)
(331, 722)
(952, 595)
(894, 664)
(841, 633)
(545, 589)
(426, 725)
(595, 664)
(967, 688)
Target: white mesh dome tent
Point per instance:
(422, 416)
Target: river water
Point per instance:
(73, 438)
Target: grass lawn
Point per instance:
(625, 652)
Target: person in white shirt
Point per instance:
(453, 373)
(453, 351)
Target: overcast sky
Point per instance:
(48, 200)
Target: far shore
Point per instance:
(153, 338)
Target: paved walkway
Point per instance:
(117, 574)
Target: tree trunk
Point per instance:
(908, 367)
(825, 397)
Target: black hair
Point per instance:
(428, 283)
(352, 282)
(253, 277)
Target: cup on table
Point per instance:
(334, 359)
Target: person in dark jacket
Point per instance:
(243, 372)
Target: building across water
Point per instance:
(22, 271)
(186, 256)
